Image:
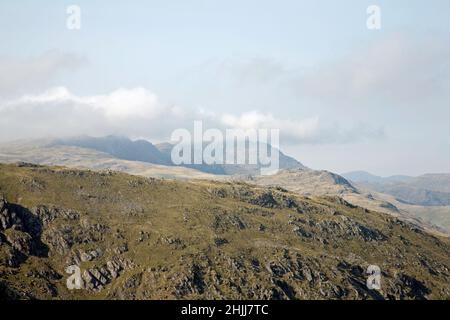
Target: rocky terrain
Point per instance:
(307, 182)
(314, 182)
(144, 238)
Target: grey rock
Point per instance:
(21, 241)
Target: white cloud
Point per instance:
(139, 113)
(124, 103)
(305, 131)
(58, 112)
(294, 130)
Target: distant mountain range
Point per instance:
(366, 177)
(144, 151)
(425, 190)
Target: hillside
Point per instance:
(366, 177)
(313, 182)
(144, 238)
(307, 182)
(84, 158)
(302, 180)
(118, 147)
(436, 217)
(425, 190)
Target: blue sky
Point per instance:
(372, 100)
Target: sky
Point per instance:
(344, 97)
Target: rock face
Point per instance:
(153, 239)
(20, 232)
(8, 217)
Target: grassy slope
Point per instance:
(178, 223)
(307, 182)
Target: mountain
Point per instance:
(119, 147)
(425, 190)
(141, 238)
(144, 151)
(307, 182)
(47, 153)
(366, 177)
(285, 162)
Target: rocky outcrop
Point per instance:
(20, 233)
(96, 278)
(346, 228)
